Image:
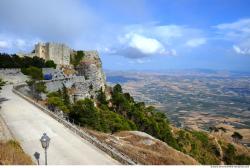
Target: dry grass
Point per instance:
(11, 153)
(231, 129)
(145, 149)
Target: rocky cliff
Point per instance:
(90, 67)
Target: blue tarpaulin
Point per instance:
(47, 76)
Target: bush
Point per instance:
(199, 146)
(231, 157)
(34, 72)
(50, 64)
(56, 102)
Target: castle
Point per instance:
(84, 80)
(59, 53)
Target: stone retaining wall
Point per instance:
(104, 147)
(12, 75)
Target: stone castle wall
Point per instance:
(59, 53)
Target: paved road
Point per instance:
(27, 123)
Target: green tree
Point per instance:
(86, 113)
(38, 62)
(76, 58)
(237, 136)
(34, 83)
(129, 98)
(113, 122)
(55, 94)
(2, 83)
(101, 97)
(39, 87)
(65, 96)
(50, 64)
(14, 61)
(117, 89)
(223, 129)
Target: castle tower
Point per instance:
(59, 53)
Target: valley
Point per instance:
(196, 99)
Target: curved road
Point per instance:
(27, 123)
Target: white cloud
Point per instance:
(13, 44)
(238, 33)
(169, 31)
(145, 45)
(235, 31)
(242, 25)
(134, 45)
(243, 51)
(196, 42)
(4, 44)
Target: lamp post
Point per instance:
(45, 144)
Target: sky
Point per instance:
(135, 34)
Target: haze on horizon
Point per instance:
(135, 34)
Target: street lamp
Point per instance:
(45, 144)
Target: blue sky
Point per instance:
(135, 34)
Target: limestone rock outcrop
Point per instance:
(90, 68)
